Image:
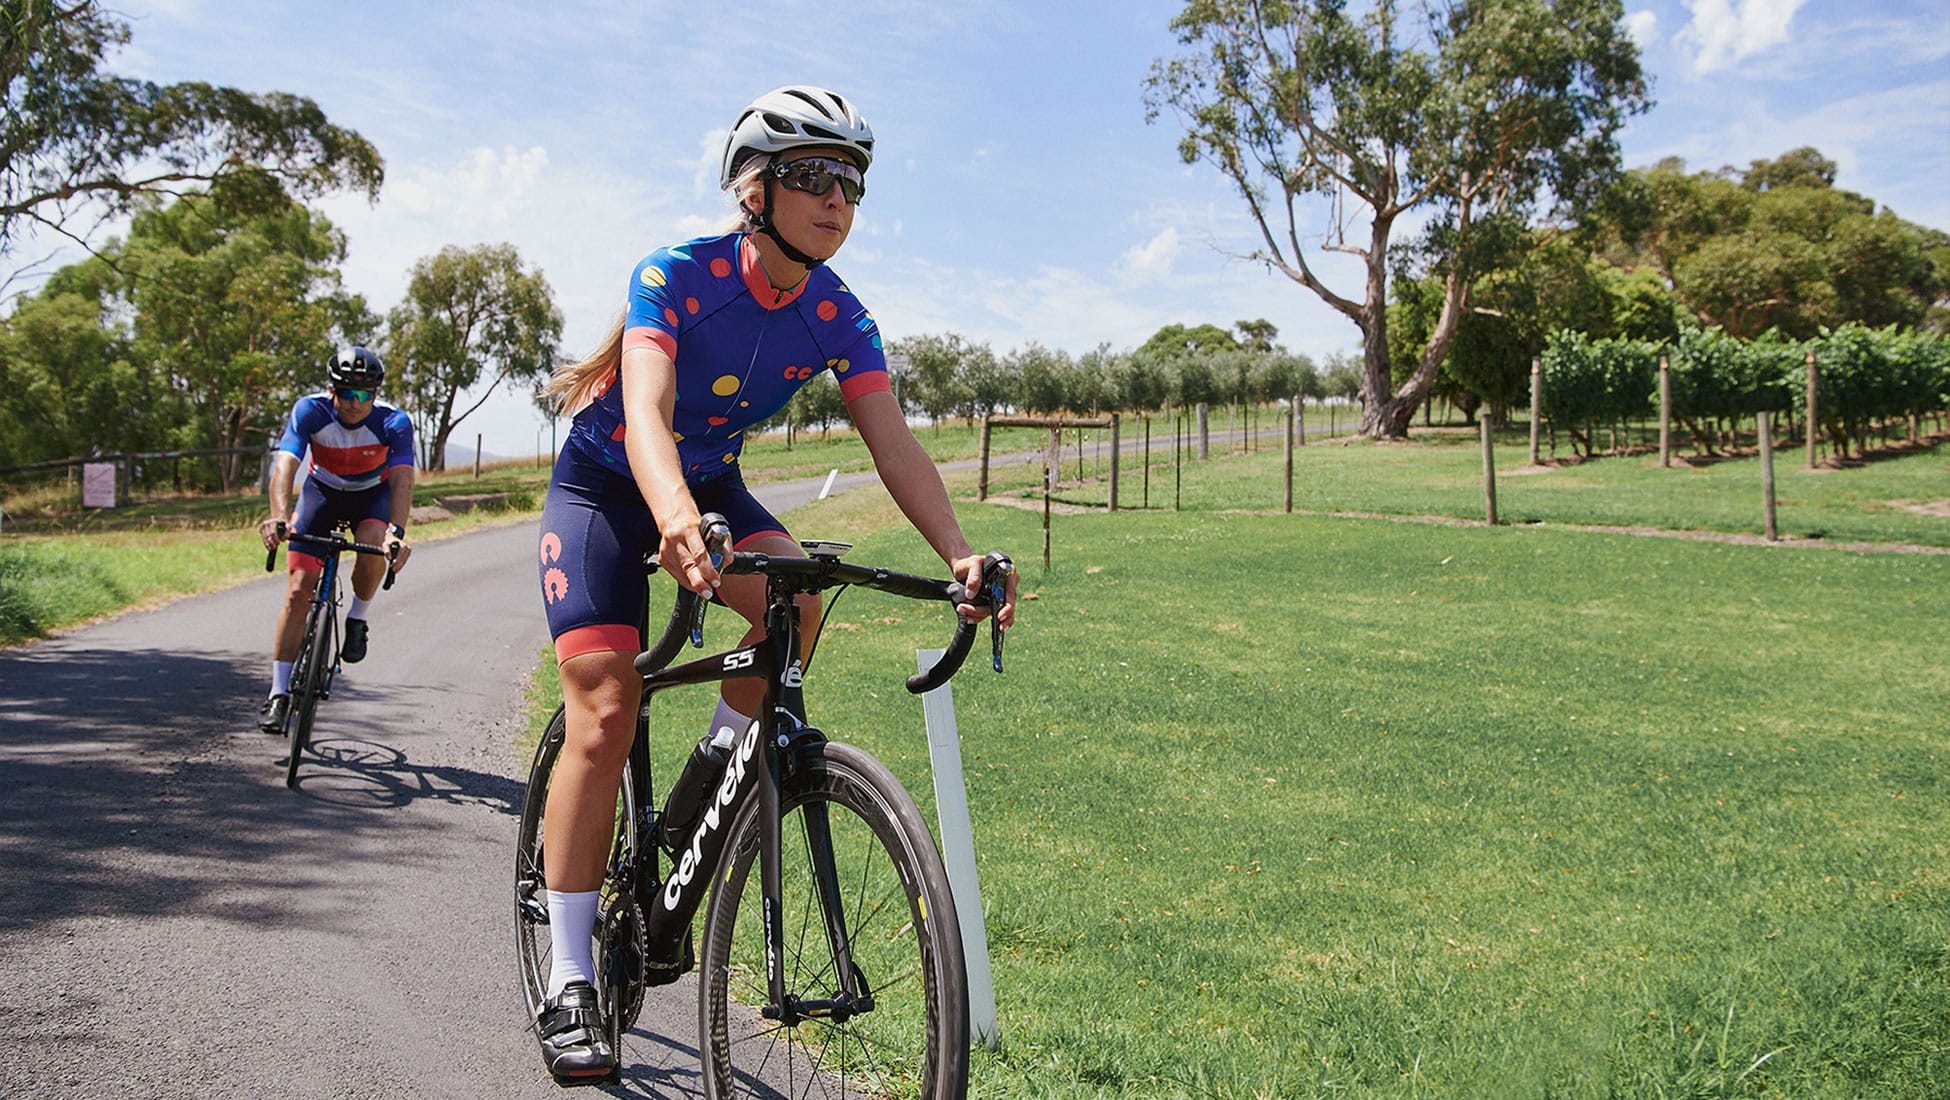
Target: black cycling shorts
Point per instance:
(596, 531)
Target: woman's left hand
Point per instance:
(968, 570)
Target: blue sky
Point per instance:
(1019, 193)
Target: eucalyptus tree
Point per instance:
(470, 314)
(76, 140)
(70, 381)
(239, 311)
(1346, 123)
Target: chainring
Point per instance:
(620, 953)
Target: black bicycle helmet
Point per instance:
(358, 368)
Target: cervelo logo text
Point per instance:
(734, 777)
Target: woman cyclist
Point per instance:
(718, 334)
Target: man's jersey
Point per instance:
(741, 348)
(348, 458)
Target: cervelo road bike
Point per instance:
(318, 650)
(834, 970)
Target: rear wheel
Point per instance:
(307, 681)
(902, 1028)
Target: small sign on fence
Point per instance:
(98, 485)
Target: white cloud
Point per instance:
(1150, 262)
(1643, 26)
(1726, 31)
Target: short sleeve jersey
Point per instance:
(741, 349)
(344, 457)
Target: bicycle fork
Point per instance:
(781, 735)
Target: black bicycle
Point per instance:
(832, 959)
(318, 650)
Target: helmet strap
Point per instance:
(763, 221)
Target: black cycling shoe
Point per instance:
(354, 649)
(575, 1042)
(270, 716)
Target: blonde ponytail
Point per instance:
(574, 385)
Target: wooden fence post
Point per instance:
(1115, 424)
(1665, 412)
(982, 479)
(1292, 416)
(1813, 420)
(1204, 431)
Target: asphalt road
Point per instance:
(176, 923)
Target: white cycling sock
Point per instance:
(571, 923)
(358, 608)
(281, 677)
(727, 725)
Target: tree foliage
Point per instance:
(1471, 119)
(74, 137)
(470, 314)
(238, 311)
(1775, 247)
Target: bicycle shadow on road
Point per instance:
(368, 775)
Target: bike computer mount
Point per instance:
(824, 548)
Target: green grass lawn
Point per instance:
(1302, 806)
(1903, 498)
(1311, 806)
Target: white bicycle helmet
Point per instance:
(793, 117)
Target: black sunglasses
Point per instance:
(816, 175)
(352, 394)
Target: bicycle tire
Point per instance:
(306, 681)
(533, 945)
(905, 942)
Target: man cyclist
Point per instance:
(361, 473)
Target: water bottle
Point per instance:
(684, 807)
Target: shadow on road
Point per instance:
(123, 796)
(363, 774)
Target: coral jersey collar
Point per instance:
(763, 292)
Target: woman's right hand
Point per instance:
(681, 553)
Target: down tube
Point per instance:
(668, 916)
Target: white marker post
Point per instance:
(829, 483)
(958, 852)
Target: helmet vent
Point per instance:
(779, 125)
(810, 101)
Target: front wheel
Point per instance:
(619, 926)
(900, 1026)
(307, 683)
